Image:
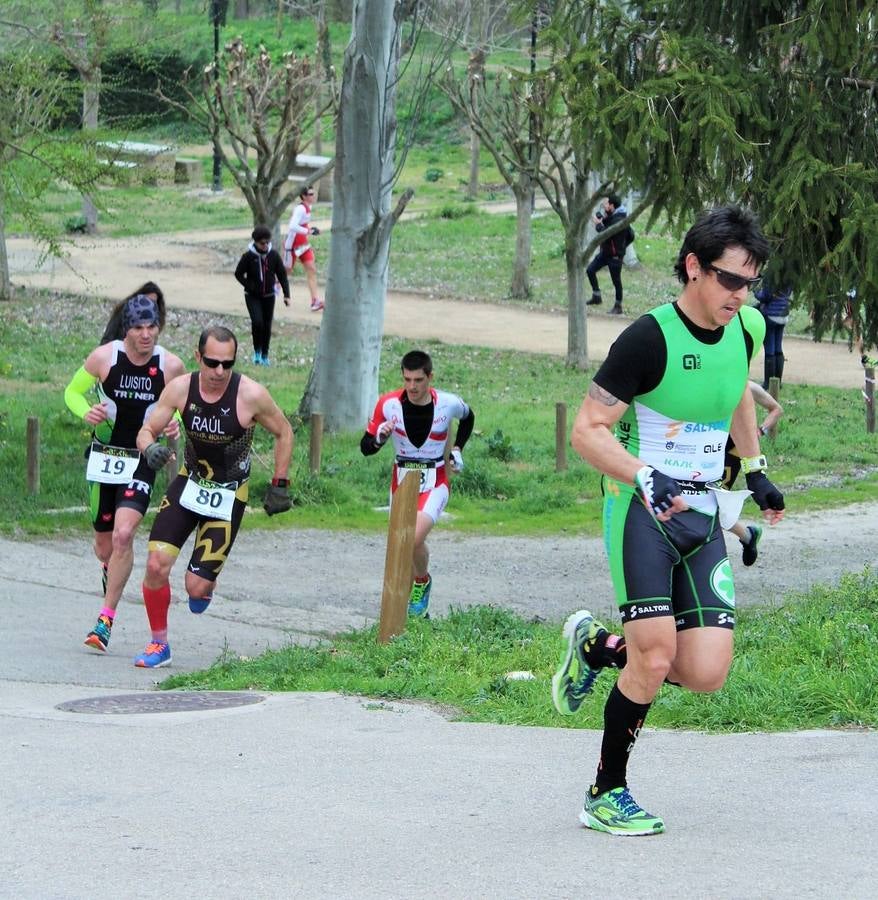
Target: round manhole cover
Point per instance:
(160, 702)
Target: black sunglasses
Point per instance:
(216, 363)
(732, 282)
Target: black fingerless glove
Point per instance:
(157, 455)
(277, 499)
(766, 495)
(656, 490)
(315, 229)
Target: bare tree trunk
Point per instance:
(91, 98)
(577, 329)
(472, 190)
(344, 382)
(318, 123)
(520, 287)
(5, 281)
(324, 54)
(242, 9)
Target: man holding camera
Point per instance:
(611, 252)
(220, 410)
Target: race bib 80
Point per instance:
(208, 498)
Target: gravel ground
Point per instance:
(313, 582)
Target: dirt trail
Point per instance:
(195, 276)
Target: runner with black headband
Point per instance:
(220, 410)
(125, 378)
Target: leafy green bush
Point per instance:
(75, 224)
(454, 211)
(500, 446)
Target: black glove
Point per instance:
(315, 229)
(656, 490)
(157, 455)
(766, 495)
(277, 499)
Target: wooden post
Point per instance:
(398, 561)
(869, 397)
(316, 443)
(33, 455)
(560, 437)
(774, 390)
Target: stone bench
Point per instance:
(147, 163)
(188, 171)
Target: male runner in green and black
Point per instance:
(655, 422)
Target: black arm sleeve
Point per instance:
(464, 430)
(368, 445)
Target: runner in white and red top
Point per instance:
(297, 245)
(417, 418)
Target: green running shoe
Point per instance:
(419, 599)
(751, 552)
(616, 812)
(574, 678)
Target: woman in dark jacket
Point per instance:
(775, 306)
(259, 270)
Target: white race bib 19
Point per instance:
(207, 498)
(111, 465)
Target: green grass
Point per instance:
(810, 663)
(509, 485)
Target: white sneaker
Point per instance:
(316, 304)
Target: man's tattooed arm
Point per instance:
(598, 393)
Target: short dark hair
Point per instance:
(615, 199)
(417, 359)
(261, 233)
(715, 231)
(220, 333)
(306, 188)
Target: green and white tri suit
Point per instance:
(682, 385)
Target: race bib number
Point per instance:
(111, 465)
(207, 498)
(426, 474)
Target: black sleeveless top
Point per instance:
(130, 392)
(217, 445)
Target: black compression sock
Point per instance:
(623, 720)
